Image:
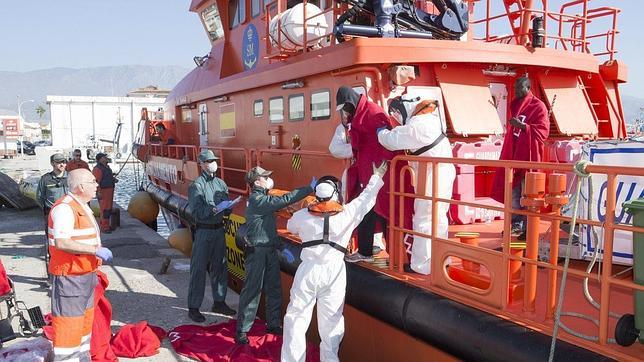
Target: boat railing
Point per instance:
(571, 25)
(274, 48)
(181, 152)
(487, 276)
(233, 164)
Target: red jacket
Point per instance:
(366, 120)
(529, 146)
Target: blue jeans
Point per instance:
(518, 221)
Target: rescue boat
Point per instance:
(265, 93)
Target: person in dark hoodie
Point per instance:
(362, 118)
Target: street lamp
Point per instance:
(22, 140)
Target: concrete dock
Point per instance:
(137, 291)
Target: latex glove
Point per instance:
(224, 205)
(380, 129)
(104, 253)
(288, 255)
(380, 170)
(313, 182)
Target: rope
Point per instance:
(580, 170)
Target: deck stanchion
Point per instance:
(535, 187)
(557, 198)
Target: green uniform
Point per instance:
(262, 265)
(50, 189)
(209, 245)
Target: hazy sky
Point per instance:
(39, 34)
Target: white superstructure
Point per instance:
(81, 121)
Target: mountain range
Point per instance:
(117, 81)
(100, 81)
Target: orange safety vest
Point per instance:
(85, 232)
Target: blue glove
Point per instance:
(288, 255)
(104, 253)
(380, 129)
(224, 205)
(313, 182)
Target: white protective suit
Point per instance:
(341, 148)
(419, 131)
(322, 277)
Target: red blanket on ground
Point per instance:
(132, 340)
(529, 146)
(217, 343)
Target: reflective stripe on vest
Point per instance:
(85, 232)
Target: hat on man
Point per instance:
(255, 173)
(57, 157)
(207, 156)
(100, 155)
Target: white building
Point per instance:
(81, 122)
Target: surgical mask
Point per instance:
(212, 167)
(269, 183)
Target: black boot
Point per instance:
(223, 309)
(241, 338)
(275, 330)
(195, 315)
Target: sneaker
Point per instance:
(516, 228)
(241, 338)
(223, 309)
(275, 330)
(195, 315)
(522, 236)
(356, 257)
(376, 250)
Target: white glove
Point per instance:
(380, 170)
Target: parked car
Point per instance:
(30, 148)
(42, 143)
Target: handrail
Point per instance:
(578, 23)
(189, 152)
(219, 150)
(496, 296)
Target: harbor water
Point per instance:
(130, 178)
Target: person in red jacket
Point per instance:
(105, 192)
(363, 119)
(526, 132)
(76, 162)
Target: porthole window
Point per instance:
(321, 105)
(296, 107)
(276, 110)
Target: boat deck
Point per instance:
(621, 299)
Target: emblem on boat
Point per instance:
(250, 46)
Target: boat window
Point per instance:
(276, 110)
(256, 7)
(236, 12)
(186, 115)
(296, 107)
(258, 108)
(321, 105)
(212, 22)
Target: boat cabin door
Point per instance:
(203, 125)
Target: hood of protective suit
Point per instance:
(347, 95)
(410, 105)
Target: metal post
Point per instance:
(22, 140)
(557, 198)
(535, 187)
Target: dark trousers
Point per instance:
(366, 229)
(262, 272)
(208, 256)
(518, 221)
